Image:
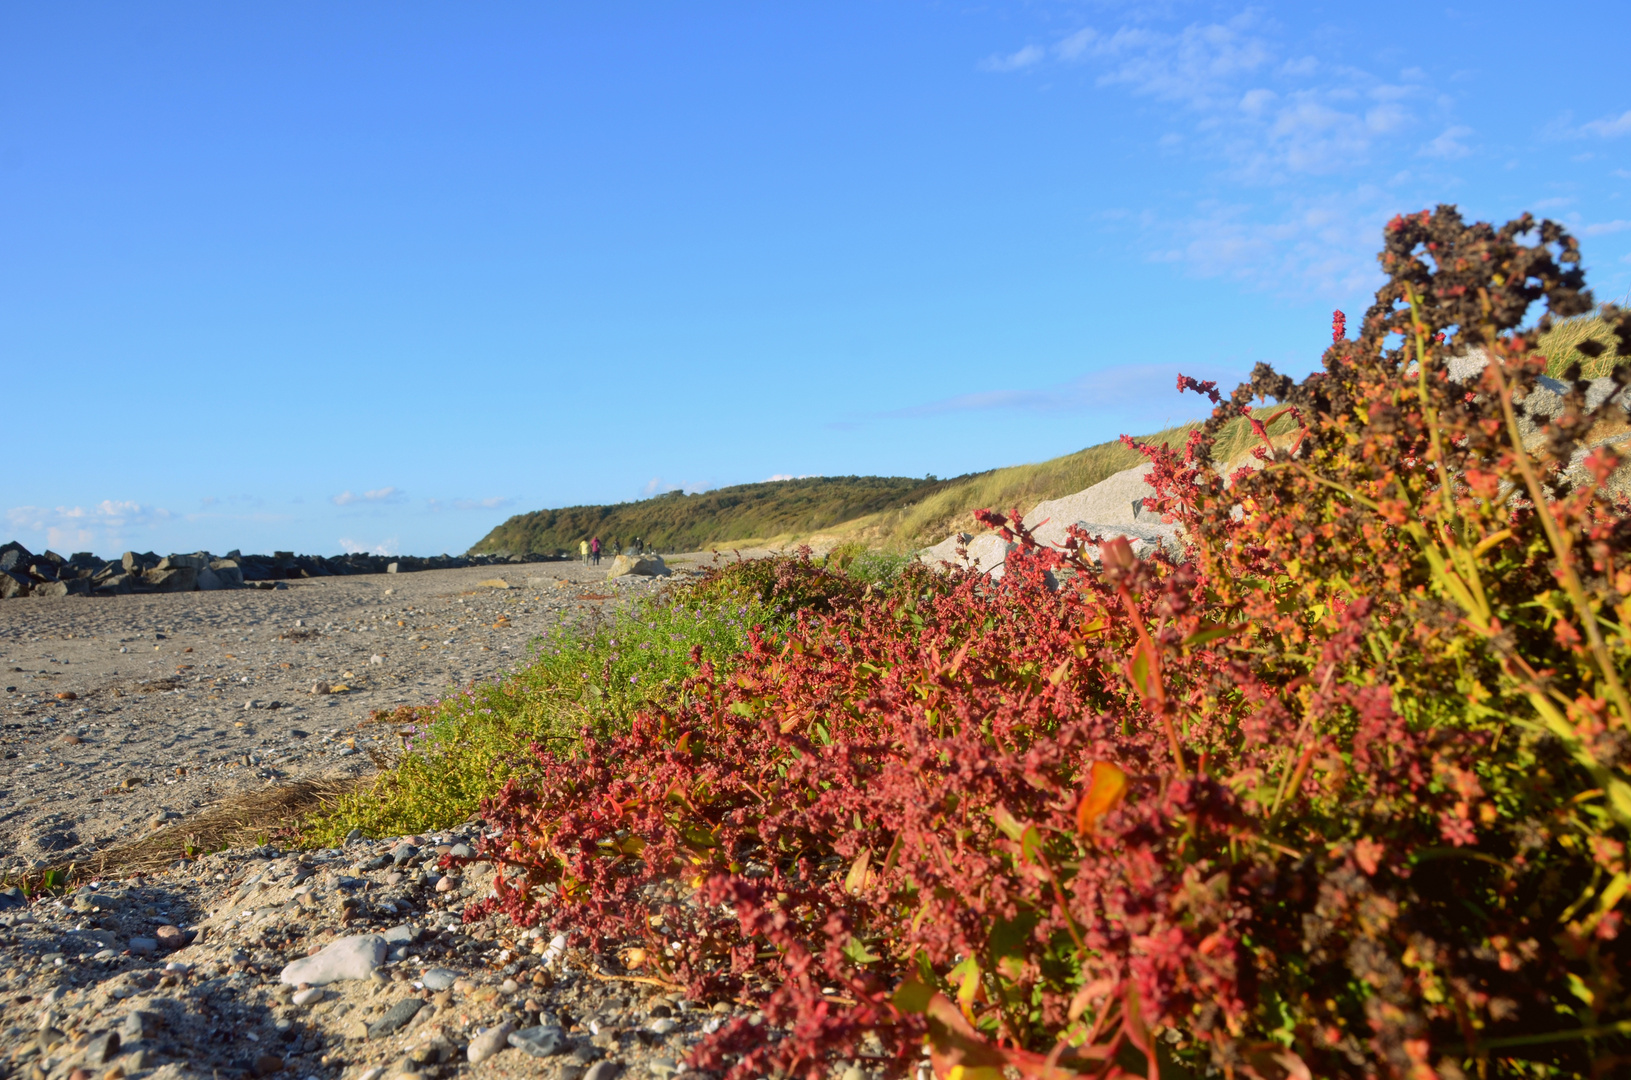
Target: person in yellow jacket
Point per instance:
(583, 550)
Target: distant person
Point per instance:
(594, 551)
(583, 549)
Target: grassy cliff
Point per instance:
(681, 522)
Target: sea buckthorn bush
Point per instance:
(1341, 792)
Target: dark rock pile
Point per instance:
(23, 573)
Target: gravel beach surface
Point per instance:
(130, 714)
(341, 964)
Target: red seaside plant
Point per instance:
(1341, 793)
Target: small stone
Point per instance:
(854, 1072)
(267, 1064)
(510, 986)
(140, 1024)
(447, 884)
(461, 851)
(144, 946)
(102, 1049)
(604, 1070)
(354, 957)
(395, 1018)
(439, 978)
(662, 1067)
(309, 996)
(490, 1042)
(169, 937)
(540, 1041)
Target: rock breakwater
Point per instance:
(22, 573)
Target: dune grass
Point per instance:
(1558, 345)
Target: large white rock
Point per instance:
(354, 957)
(642, 565)
(1115, 500)
(1112, 507)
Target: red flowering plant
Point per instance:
(1340, 792)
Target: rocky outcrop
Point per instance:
(23, 573)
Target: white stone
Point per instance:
(489, 1042)
(308, 996)
(354, 957)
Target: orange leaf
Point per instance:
(1106, 788)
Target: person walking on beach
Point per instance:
(583, 549)
(594, 551)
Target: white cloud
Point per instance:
(790, 476)
(1449, 144)
(102, 527)
(1609, 127)
(1014, 61)
(1267, 120)
(378, 495)
(1605, 228)
(359, 547)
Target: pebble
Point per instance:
(662, 1025)
(308, 996)
(662, 1067)
(604, 1070)
(540, 1041)
(395, 1018)
(438, 978)
(490, 1042)
(144, 946)
(354, 957)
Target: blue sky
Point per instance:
(376, 276)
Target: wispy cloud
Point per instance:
(1609, 127)
(1605, 228)
(790, 476)
(1136, 391)
(1029, 56)
(384, 495)
(1289, 133)
(1450, 144)
(104, 526)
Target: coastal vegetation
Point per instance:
(1341, 793)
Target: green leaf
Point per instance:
(1202, 637)
(912, 996)
(1006, 821)
(858, 953)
